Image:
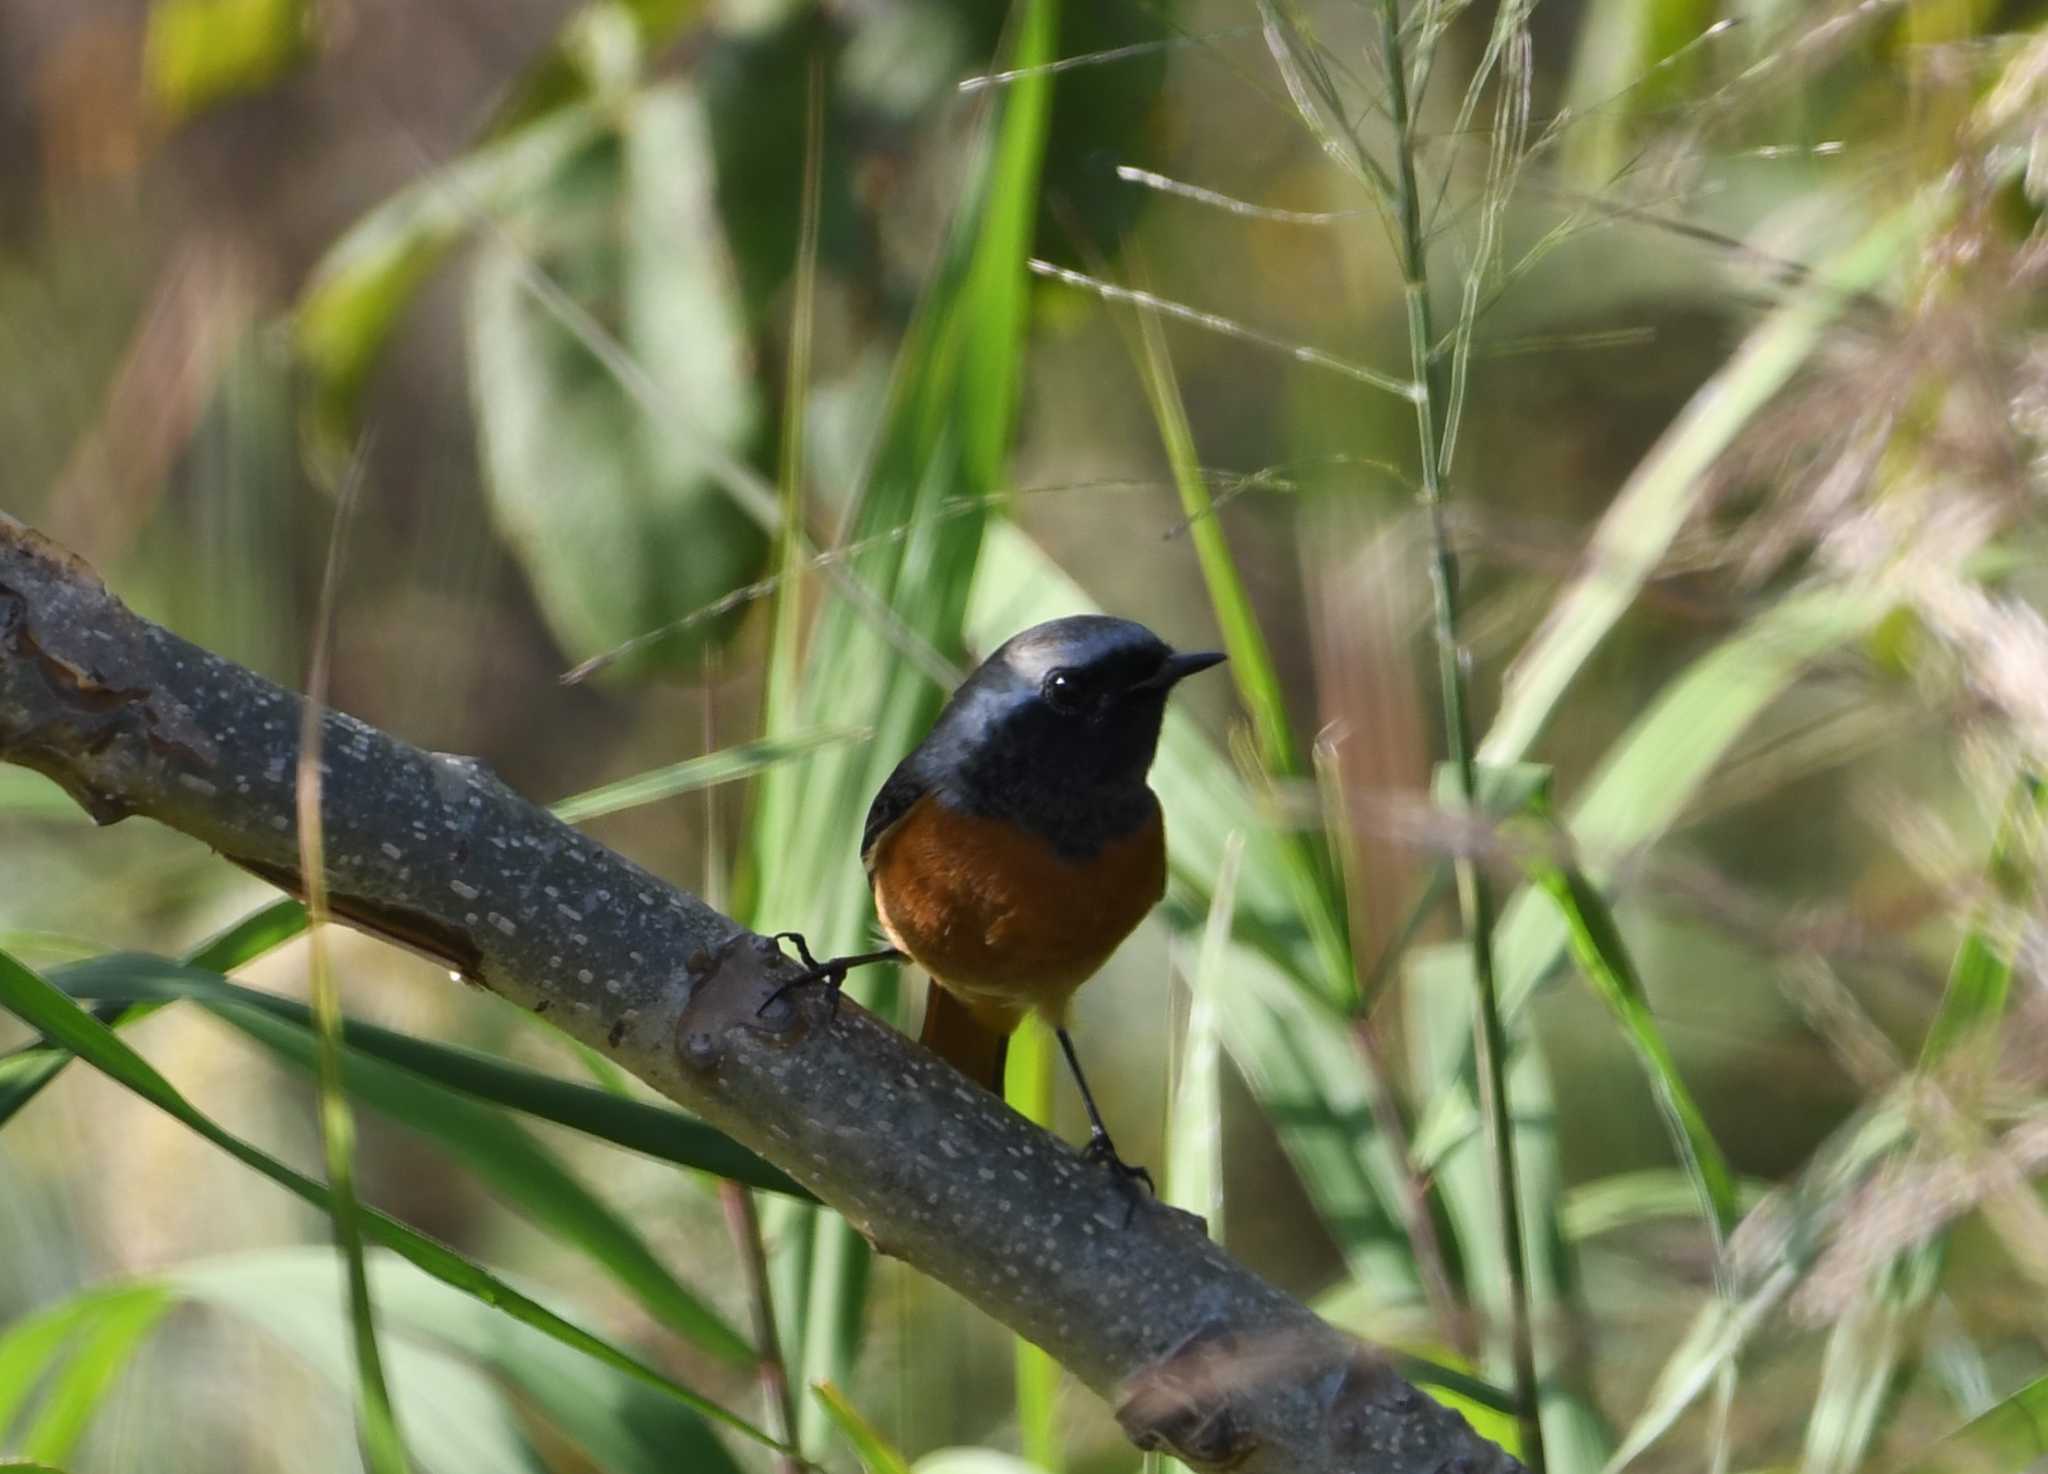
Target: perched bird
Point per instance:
(1017, 846)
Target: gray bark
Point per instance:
(1197, 1354)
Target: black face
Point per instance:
(1058, 728)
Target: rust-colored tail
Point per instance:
(952, 1032)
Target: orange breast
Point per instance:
(999, 917)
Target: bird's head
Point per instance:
(1076, 700)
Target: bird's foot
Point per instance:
(1102, 1151)
(831, 974)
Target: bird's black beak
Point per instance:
(1178, 666)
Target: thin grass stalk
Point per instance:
(1475, 898)
(744, 1222)
(383, 1447)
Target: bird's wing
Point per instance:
(903, 789)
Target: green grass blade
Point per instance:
(261, 931)
(1027, 1086)
(44, 1007)
(876, 1454)
(656, 1131)
(1194, 1133)
(742, 761)
(1317, 893)
(1604, 957)
(24, 1072)
(1251, 659)
(99, 1353)
(939, 458)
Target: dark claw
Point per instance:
(1101, 1151)
(803, 948)
(831, 974)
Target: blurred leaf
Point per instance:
(1804, 1214)
(1651, 772)
(1872, 1349)
(657, 1131)
(1628, 1199)
(1718, 1334)
(100, 1350)
(1980, 978)
(244, 941)
(608, 492)
(876, 1456)
(198, 53)
(470, 1384)
(43, 1007)
(2009, 1437)
(27, 794)
(1665, 488)
(696, 773)
(603, 46)
(94, 1330)
(354, 297)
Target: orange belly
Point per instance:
(1000, 918)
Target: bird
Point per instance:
(1016, 846)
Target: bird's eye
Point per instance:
(1063, 691)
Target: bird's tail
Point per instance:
(954, 1034)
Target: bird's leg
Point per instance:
(1100, 1148)
(831, 972)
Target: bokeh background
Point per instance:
(645, 330)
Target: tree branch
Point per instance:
(1198, 1355)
